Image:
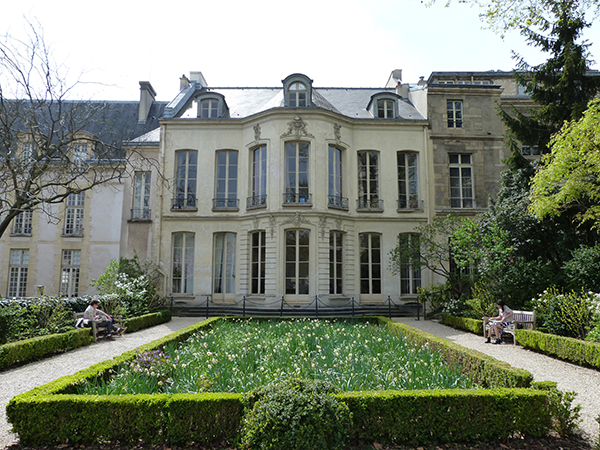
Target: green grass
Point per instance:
(240, 355)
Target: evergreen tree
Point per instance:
(562, 86)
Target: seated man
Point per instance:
(104, 320)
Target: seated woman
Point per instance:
(498, 323)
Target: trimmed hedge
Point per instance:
(482, 369)
(147, 320)
(579, 352)
(573, 350)
(43, 346)
(54, 413)
(443, 416)
(463, 323)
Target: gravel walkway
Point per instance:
(585, 382)
(569, 377)
(22, 379)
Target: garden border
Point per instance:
(583, 353)
(53, 413)
(40, 347)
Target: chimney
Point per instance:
(183, 82)
(197, 77)
(395, 78)
(422, 81)
(402, 90)
(147, 96)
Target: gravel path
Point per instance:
(22, 379)
(569, 377)
(585, 382)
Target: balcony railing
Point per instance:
(335, 201)
(140, 214)
(76, 231)
(256, 201)
(294, 198)
(404, 204)
(184, 203)
(369, 204)
(231, 204)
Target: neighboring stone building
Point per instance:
(291, 192)
(60, 248)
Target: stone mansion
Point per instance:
(294, 191)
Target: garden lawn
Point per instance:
(238, 355)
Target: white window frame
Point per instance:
(297, 264)
(408, 179)
(386, 108)
(368, 180)
(258, 248)
(69, 273)
(209, 108)
(141, 196)
(186, 178)
(226, 179)
(336, 262)
(297, 172)
(454, 109)
(182, 267)
(259, 177)
(224, 265)
(80, 153)
(22, 223)
(410, 270)
(461, 181)
(297, 95)
(336, 178)
(370, 266)
(74, 214)
(17, 274)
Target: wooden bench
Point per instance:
(520, 320)
(96, 330)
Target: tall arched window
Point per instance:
(297, 262)
(224, 266)
(408, 182)
(183, 263)
(370, 264)
(186, 172)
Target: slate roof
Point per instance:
(245, 102)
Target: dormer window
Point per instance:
(297, 91)
(209, 108)
(384, 105)
(211, 105)
(385, 109)
(297, 95)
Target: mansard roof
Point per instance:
(106, 120)
(246, 101)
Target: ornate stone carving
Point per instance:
(338, 223)
(322, 226)
(297, 128)
(272, 224)
(256, 223)
(337, 131)
(297, 220)
(256, 133)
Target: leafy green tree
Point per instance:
(502, 16)
(569, 179)
(431, 251)
(562, 86)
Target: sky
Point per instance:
(111, 46)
